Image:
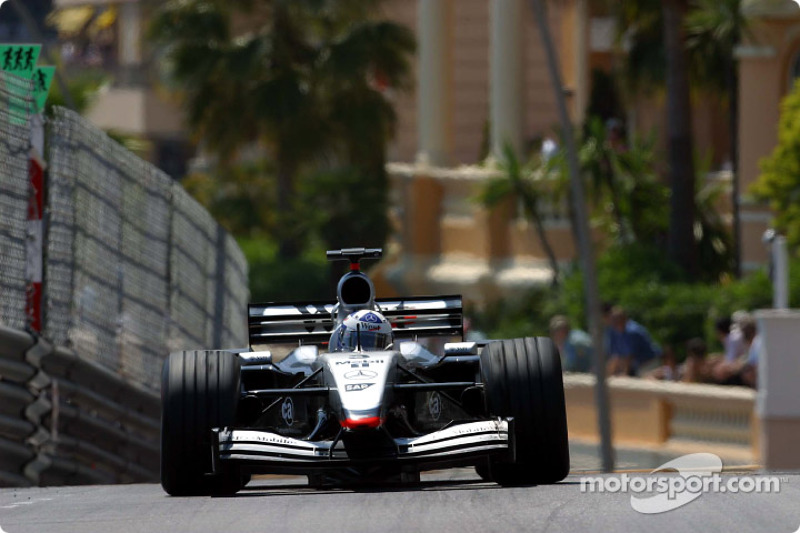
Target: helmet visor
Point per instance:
(369, 340)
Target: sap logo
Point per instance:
(357, 387)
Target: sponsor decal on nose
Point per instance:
(360, 375)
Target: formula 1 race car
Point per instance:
(347, 392)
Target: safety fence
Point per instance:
(15, 144)
(133, 268)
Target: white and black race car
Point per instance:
(360, 413)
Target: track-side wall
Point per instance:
(132, 268)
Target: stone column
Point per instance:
(581, 60)
(507, 113)
(130, 45)
(434, 82)
(777, 403)
(130, 32)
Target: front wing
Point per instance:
(462, 441)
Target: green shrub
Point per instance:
(653, 292)
(275, 279)
(779, 182)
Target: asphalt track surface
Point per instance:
(454, 500)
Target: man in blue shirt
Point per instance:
(629, 344)
(574, 345)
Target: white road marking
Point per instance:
(27, 502)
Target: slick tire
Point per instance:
(199, 391)
(523, 380)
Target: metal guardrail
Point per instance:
(15, 398)
(67, 420)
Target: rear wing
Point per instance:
(312, 322)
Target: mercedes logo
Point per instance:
(360, 375)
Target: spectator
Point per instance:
(695, 368)
(735, 345)
(549, 149)
(736, 372)
(574, 345)
(669, 370)
(749, 372)
(722, 331)
(630, 345)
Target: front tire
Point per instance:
(523, 379)
(199, 391)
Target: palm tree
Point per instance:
(680, 242)
(287, 84)
(519, 182)
(667, 39)
(714, 28)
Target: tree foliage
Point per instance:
(629, 201)
(664, 40)
(529, 184)
(779, 182)
(304, 84)
(713, 29)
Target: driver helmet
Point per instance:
(366, 328)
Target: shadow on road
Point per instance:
(295, 489)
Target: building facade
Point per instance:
(769, 62)
(132, 104)
(481, 82)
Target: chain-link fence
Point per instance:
(135, 267)
(16, 104)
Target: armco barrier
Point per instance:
(67, 420)
(15, 399)
(102, 428)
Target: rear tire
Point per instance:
(199, 391)
(522, 379)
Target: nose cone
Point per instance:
(363, 386)
(366, 422)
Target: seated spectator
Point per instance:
(574, 345)
(749, 373)
(630, 345)
(735, 344)
(695, 368)
(722, 332)
(727, 372)
(669, 370)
